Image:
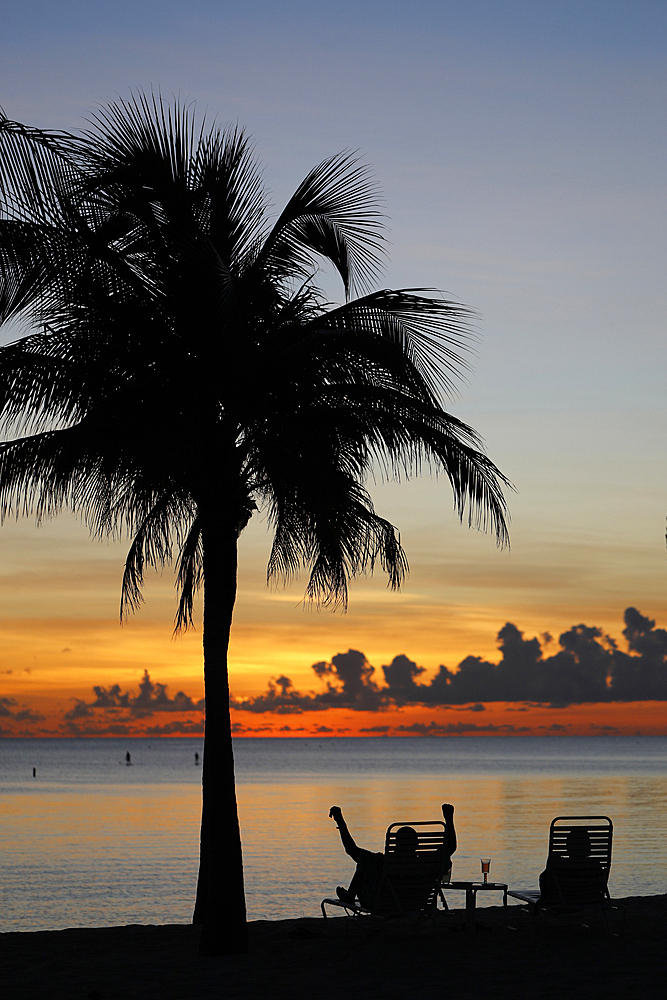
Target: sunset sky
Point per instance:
(520, 148)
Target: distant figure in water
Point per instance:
(34, 772)
(196, 758)
(366, 879)
(128, 759)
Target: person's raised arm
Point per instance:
(348, 843)
(450, 829)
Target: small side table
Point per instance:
(471, 890)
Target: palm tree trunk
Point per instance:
(220, 904)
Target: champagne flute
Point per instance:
(486, 865)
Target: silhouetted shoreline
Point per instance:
(299, 959)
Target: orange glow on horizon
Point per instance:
(646, 718)
(45, 717)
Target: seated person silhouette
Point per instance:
(576, 872)
(366, 879)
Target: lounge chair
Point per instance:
(574, 885)
(409, 886)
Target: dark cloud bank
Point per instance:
(114, 703)
(588, 667)
(9, 710)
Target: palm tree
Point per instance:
(184, 370)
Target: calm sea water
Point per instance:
(91, 841)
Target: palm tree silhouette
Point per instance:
(187, 370)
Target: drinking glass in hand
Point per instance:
(486, 864)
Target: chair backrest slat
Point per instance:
(580, 866)
(414, 866)
(598, 829)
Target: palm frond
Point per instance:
(155, 158)
(332, 527)
(190, 574)
(38, 173)
(334, 213)
(152, 545)
(433, 333)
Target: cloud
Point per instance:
(113, 698)
(81, 710)
(400, 679)
(72, 728)
(151, 699)
(349, 684)
(457, 728)
(588, 667)
(239, 730)
(154, 698)
(27, 715)
(22, 715)
(185, 727)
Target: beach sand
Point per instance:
(303, 959)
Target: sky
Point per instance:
(520, 151)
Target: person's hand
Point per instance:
(447, 810)
(335, 813)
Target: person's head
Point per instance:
(578, 843)
(407, 840)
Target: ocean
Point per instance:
(91, 840)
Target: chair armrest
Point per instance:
(526, 897)
(354, 908)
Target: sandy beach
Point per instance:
(304, 958)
